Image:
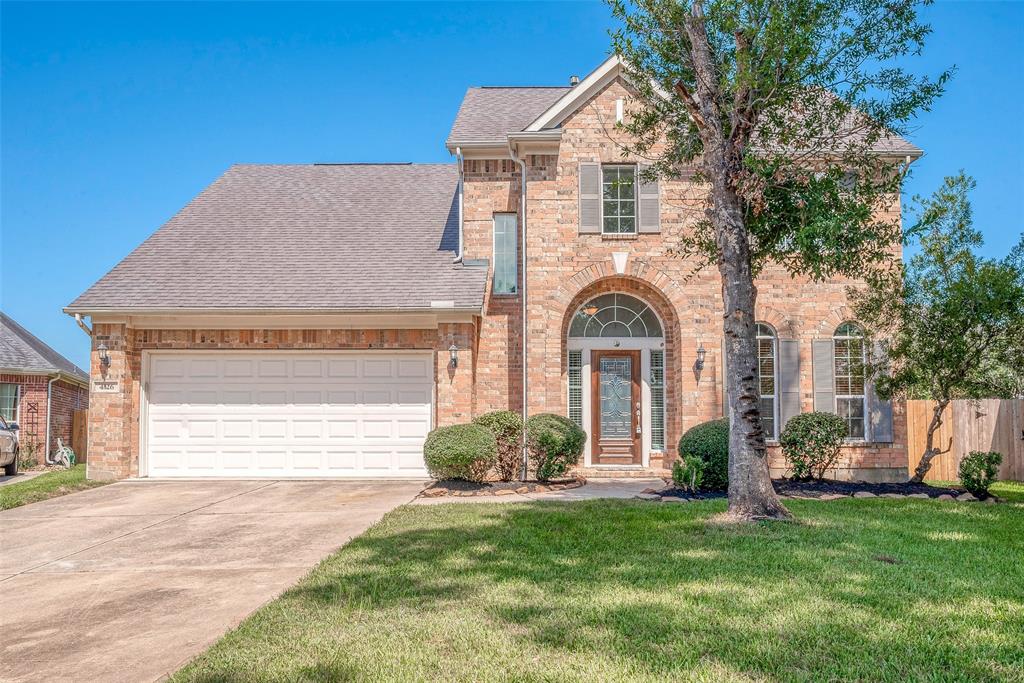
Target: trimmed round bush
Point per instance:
(978, 471)
(555, 444)
(507, 428)
(709, 442)
(463, 451)
(810, 443)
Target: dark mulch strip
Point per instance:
(817, 489)
(460, 487)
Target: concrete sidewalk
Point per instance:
(127, 582)
(594, 488)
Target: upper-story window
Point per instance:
(766, 379)
(849, 350)
(618, 200)
(505, 254)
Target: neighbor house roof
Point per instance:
(21, 351)
(489, 114)
(347, 237)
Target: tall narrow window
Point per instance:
(9, 402)
(618, 200)
(657, 400)
(848, 344)
(505, 254)
(576, 387)
(766, 379)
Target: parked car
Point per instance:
(9, 446)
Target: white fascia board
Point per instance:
(585, 89)
(279, 320)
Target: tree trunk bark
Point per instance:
(930, 451)
(751, 495)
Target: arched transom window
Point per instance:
(848, 346)
(615, 315)
(766, 378)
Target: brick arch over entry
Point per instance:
(670, 321)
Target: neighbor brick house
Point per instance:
(318, 320)
(40, 389)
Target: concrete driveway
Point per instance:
(129, 581)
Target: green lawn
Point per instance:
(871, 590)
(49, 485)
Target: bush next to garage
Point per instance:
(555, 444)
(507, 428)
(462, 451)
(810, 443)
(709, 442)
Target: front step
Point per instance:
(615, 472)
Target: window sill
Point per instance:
(619, 236)
(513, 295)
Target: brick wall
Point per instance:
(566, 268)
(66, 398)
(114, 417)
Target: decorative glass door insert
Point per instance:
(616, 397)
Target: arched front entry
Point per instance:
(616, 364)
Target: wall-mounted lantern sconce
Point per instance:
(701, 353)
(104, 355)
(453, 355)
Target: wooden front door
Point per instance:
(615, 407)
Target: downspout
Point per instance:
(522, 250)
(49, 417)
(458, 161)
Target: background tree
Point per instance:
(954, 327)
(784, 109)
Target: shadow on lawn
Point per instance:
(857, 590)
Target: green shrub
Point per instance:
(464, 451)
(688, 474)
(811, 441)
(709, 443)
(555, 443)
(978, 471)
(507, 428)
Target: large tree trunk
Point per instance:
(930, 450)
(751, 495)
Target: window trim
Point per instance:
(774, 336)
(636, 200)
(17, 401)
(494, 253)
(836, 396)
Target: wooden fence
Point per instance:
(80, 434)
(987, 425)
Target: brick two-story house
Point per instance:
(319, 320)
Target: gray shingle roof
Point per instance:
(20, 350)
(489, 114)
(336, 237)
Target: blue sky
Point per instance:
(115, 115)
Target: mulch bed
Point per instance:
(459, 487)
(825, 490)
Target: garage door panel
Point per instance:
(281, 414)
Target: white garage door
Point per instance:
(299, 414)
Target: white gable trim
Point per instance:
(570, 101)
(584, 90)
